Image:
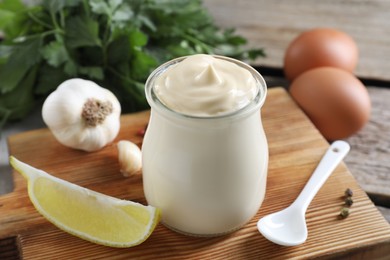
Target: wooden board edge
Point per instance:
(379, 251)
(10, 248)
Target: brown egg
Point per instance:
(335, 100)
(318, 48)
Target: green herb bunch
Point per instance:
(115, 43)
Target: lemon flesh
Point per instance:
(87, 214)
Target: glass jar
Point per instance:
(206, 174)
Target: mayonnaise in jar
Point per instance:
(205, 154)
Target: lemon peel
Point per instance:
(87, 214)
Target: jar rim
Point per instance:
(254, 104)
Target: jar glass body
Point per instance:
(206, 174)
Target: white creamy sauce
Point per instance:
(202, 85)
(207, 175)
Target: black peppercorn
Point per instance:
(348, 192)
(348, 201)
(344, 212)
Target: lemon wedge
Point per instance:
(87, 214)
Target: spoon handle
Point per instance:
(333, 156)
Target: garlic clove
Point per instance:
(130, 158)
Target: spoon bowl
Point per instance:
(288, 226)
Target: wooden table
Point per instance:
(274, 24)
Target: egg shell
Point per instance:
(335, 100)
(318, 48)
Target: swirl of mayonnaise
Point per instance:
(203, 85)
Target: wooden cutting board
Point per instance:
(295, 148)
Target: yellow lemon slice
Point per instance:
(87, 214)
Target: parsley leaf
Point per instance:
(17, 103)
(82, 31)
(23, 57)
(54, 53)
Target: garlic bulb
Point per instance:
(130, 158)
(82, 115)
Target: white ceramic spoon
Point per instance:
(288, 227)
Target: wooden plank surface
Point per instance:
(294, 153)
(274, 24)
(370, 153)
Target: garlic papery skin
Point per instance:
(82, 115)
(130, 158)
